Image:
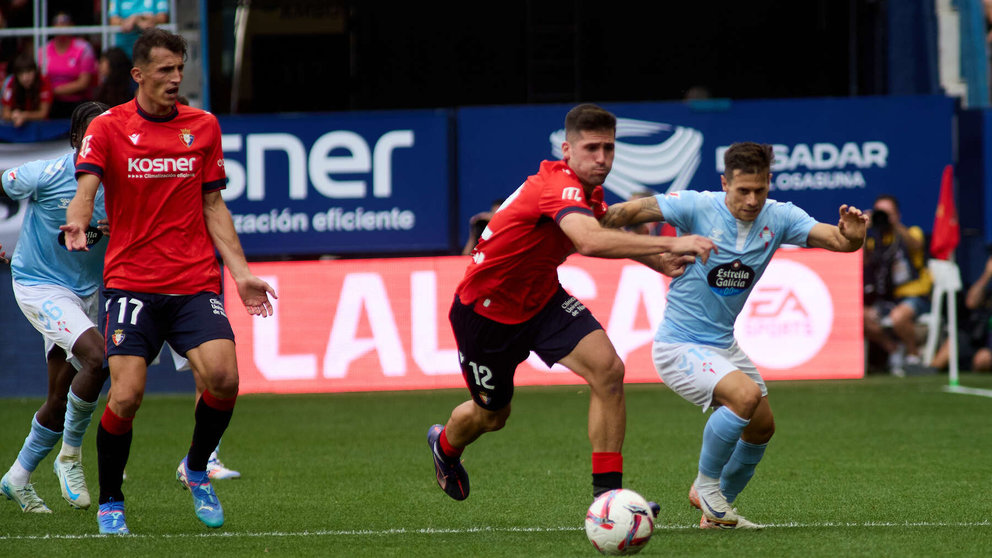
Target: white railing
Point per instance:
(41, 30)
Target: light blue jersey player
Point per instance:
(58, 291)
(694, 350)
(706, 300)
(38, 259)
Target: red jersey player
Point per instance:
(162, 169)
(510, 302)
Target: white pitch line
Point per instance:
(472, 530)
(969, 390)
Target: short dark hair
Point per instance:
(890, 197)
(749, 158)
(82, 115)
(589, 117)
(156, 37)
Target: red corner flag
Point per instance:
(946, 230)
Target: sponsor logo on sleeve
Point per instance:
(85, 147)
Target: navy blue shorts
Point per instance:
(489, 351)
(137, 324)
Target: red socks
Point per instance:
(607, 462)
(114, 424)
(446, 448)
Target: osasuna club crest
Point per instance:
(186, 135)
(118, 336)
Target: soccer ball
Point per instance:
(619, 522)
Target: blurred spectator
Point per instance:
(896, 284)
(478, 223)
(13, 14)
(975, 330)
(27, 95)
(697, 93)
(114, 70)
(70, 65)
(987, 5)
(134, 17)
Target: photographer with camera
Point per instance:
(897, 285)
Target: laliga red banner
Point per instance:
(358, 325)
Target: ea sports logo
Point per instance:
(787, 318)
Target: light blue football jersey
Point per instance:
(39, 259)
(703, 303)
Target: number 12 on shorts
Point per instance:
(482, 375)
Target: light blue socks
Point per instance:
(720, 436)
(78, 414)
(37, 445)
(739, 470)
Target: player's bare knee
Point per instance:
(608, 379)
(760, 431)
(492, 421)
(222, 383)
(126, 404)
(224, 388)
(744, 399)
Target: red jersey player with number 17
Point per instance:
(162, 170)
(510, 302)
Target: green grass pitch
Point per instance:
(875, 467)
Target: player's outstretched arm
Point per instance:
(80, 211)
(634, 212)
(847, 236)
(253, 291)
(672, 265)
(591, 239)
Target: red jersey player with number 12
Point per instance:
(510, 301)
(162, 170)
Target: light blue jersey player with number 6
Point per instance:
(58, 291)
(694, 350)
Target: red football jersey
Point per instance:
(514, 268)
(155, 171)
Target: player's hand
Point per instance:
(695, 245)
(3, 255)
(75, 237)
(853, 223)
(255, 294)
(104, 226)
(674, 265)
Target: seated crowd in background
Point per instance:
(70, 65)
(27, 95)
(50, 81)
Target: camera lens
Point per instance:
(879, 219)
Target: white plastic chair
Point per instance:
(946, 281)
